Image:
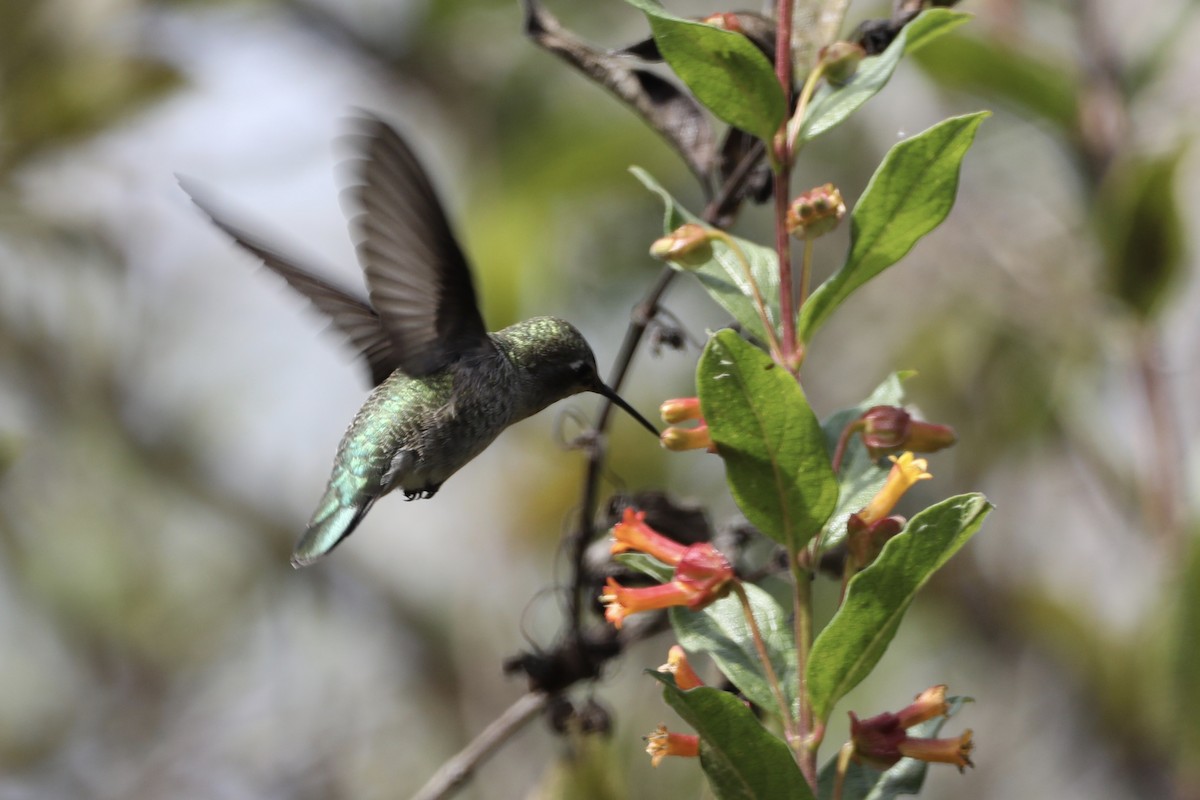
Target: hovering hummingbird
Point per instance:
(445, 388)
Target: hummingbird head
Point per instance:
(558, 362)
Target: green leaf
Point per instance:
(831, 106)
(851, 645)
(742, 760)
(723, 276)
(861, 477)
(906, 776)
(991, 68)
(1139, 223)
(908, 196)
(723, 69)
(721, 631)
(647, 565)
(769, 438)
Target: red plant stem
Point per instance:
(783, 158)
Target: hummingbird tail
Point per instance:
(328, 527)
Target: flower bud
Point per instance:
(840, 61)
(686, 246)
(680, 410)
(816, 212)
(680, 439)
(724, 20)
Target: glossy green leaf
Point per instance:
(860, 477)
(774, 451)
(855, 639)
(833, 105)
(907, 776)
(991, 68)
(723, 276)
(1142, 230)
(721, 631)
(741, 759)
(909, 195)
(723, 69)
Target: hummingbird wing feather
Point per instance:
(418, 278)
(354, 317)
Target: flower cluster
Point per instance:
(685, 409)
(702, 574)
(882, 740)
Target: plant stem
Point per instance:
(759, 303)
(782, 179)
(785, 712)
(802, 611)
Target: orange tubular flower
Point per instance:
(621, 601)
(906, 471)
(632, 533)
(663, 743)
(702, 573)
(678, 666)
(882, 740)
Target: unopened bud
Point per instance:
(840, 61)
(686, 246)
(724, 20)
(680, 410)
(816, 212)
(885, 429)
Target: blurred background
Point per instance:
(169, 410)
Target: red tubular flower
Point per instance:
(632, 533)
(705, 571)
(678, 666)
(702, 573)
(663, 743)
(621, 601)
(882, 740)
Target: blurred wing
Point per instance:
(418, 279)
(352, 316)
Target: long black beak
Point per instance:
(602, 388)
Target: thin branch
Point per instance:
(459, 768)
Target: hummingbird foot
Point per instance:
(422, 494)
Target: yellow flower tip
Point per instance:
(662, 743)
(909, 469)
(678, 666)
(906, 471)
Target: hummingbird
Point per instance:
(444, 387)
